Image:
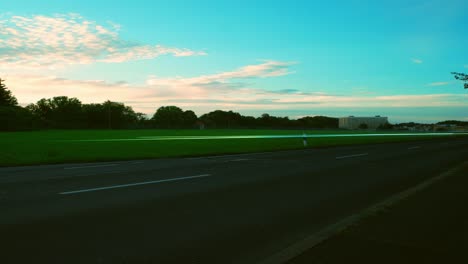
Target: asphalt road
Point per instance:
(226, 209)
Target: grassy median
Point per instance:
(60, 146)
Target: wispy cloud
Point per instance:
(438, 83)
(416, 61)
(224, 86)
(224, 80)
(59, 40)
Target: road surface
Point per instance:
(224, 209)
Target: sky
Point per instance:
(286, 58)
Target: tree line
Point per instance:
(62, 112)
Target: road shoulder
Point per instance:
(430, 226)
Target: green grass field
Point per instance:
(62, 146)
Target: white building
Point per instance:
(353, 122)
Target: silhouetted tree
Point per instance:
(248, 122)
(142, 120)
(64, 112)
(222, 119)
(385, 126)
(96, 116)
(112, 115)
(58, 112)
(169, 117)
(12, 116)
(119, 116)
(462, 77)
(318, 122)
(229, 119)
(6, 98)
(266, 120)
(190, 119)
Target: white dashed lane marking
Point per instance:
(133, 184)
(87, 167)
(352, 156)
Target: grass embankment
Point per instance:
(59, 146)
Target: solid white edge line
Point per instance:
(274, 152)
(416, 147)
(134, 184)
(95, 166)
(237, 160)
(353, 156)
(235, 155)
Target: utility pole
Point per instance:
(109, 125)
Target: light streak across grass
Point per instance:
(165, 138)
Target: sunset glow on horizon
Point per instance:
(305, 58)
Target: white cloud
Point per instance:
(222, 87)
(60, 40)
(416, 61)
(226, 79)
(438, 83)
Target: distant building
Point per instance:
(352, 122)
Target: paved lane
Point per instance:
(221, 209)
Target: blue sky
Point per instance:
(288, 58)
